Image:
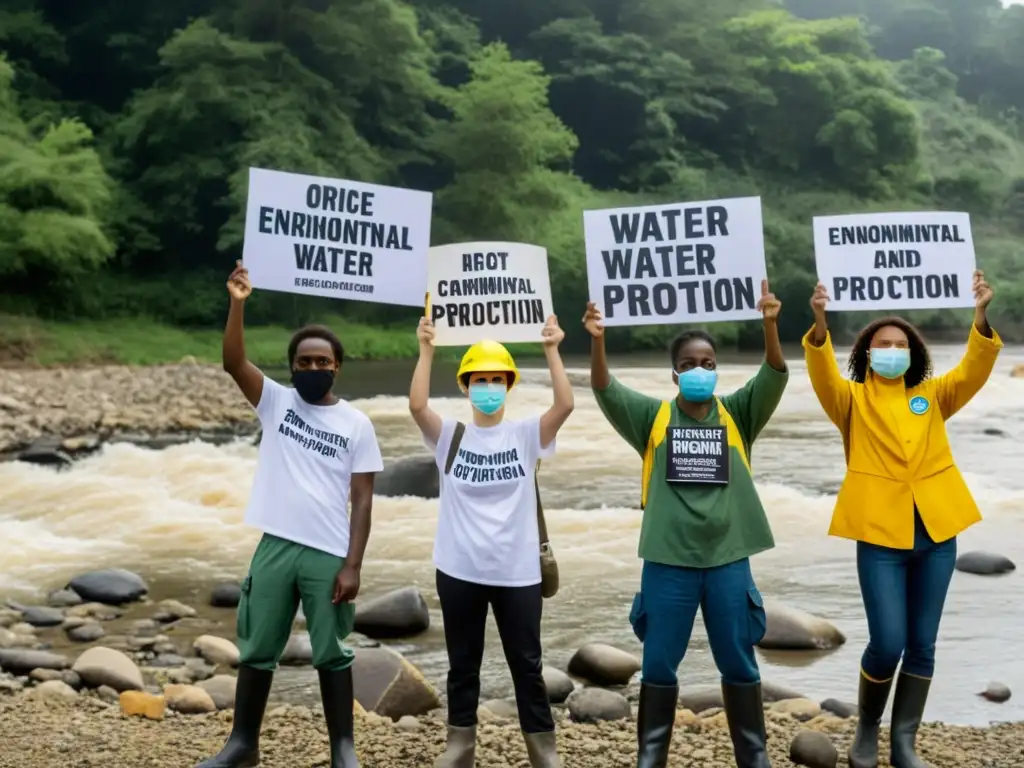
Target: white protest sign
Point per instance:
(498, 291)
(336, 238)
(678, 263)
(895, 260)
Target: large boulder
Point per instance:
(385, 683)
(105, 666)
(790, 629)
(39, 615)
(226, 595)
(412, 476)
(63, 598)
(21, 662)
(997, 692)
(603, 664)
(703, 698)
(984, 563)
(216, 650)
(188, 699)
(593, 705)
(400, 613)
(114, 586)
(221, 689)
(558, 684)
(47, 452)
(813, 750)
(55, 691)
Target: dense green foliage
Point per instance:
(127, 129)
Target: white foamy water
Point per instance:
(175, 516)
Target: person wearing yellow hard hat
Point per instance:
(702, 522)
(490, 551)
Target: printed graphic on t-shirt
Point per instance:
(487, 468)
(697, 455)
(309, 437)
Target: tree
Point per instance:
(53, 197)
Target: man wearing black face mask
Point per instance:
(316, 452)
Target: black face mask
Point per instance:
(313, 386)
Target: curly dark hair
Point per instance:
(920, 369)
(686, 337)
(315, 332)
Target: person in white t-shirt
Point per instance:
(487, 549)
(317, 452)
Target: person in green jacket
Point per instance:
(702, 521)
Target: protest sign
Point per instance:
(336, 238)
(907, 260)
(679, 263)
(498, 291)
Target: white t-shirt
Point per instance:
(487, 517)
(307, 457)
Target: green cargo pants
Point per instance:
(280, 575)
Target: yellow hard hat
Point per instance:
(485, 357)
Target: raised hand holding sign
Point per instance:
(768, 305)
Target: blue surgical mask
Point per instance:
(890, 362)
(697, 385)
(487, 397)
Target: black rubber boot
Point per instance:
(336, 692)
(243, 746)
(871, 702)
(907, 710)
(655, 720)
(745, 712)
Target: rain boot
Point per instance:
(870, 705)
(745, 712)
(907, 710)
(542, 750)
(336, 693)
(461, 749)
(242, 749)
(655, 720)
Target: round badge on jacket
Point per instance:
(919, 405)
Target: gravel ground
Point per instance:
(87, 733)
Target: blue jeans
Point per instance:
(666, 606)
(904, 591)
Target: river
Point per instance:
(175, 516)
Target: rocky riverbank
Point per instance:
(119, 680)
(44, 727)
(76, 409)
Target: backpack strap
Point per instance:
(657, 437)
(453, 447)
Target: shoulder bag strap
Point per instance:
(542, 526)
(453, 448)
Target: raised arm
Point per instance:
(630, 413)
(956, 388)
(600, 378)
(419, 390)
(753, 405)
(247, 376)
(564, 402)
(832, 389)
(770, 307)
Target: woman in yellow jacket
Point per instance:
(903, 501)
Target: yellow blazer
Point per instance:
(897, 451)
